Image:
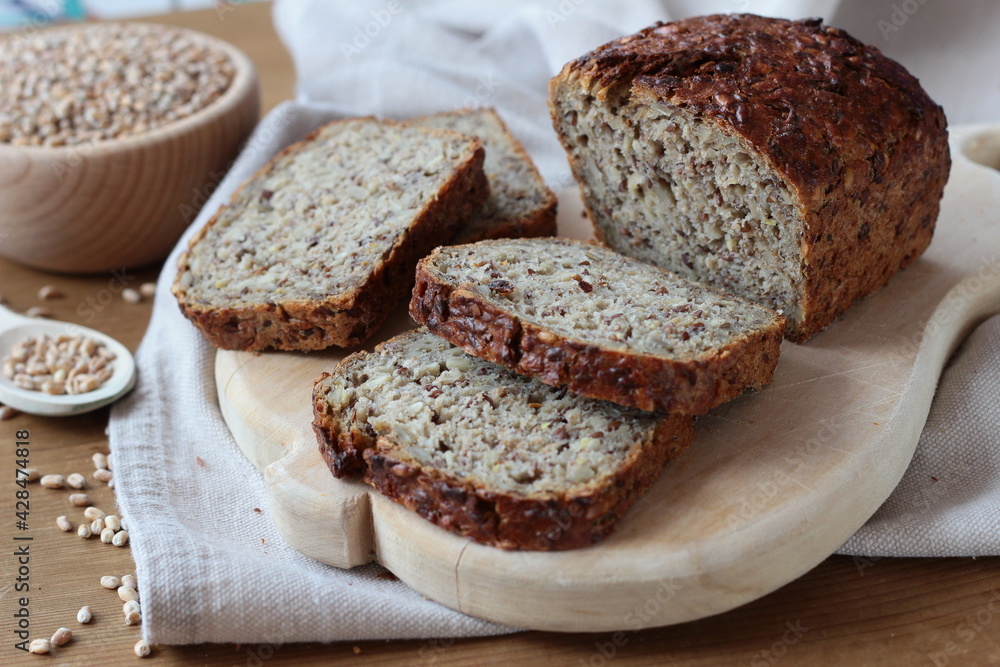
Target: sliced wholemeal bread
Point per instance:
(485, 452)
(605, 325)
(520, 204)
(315, 248)
(784, 161)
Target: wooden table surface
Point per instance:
(935, 611)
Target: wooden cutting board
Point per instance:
(772, 485)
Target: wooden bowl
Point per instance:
(122, 202)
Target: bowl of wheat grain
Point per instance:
(111, 136)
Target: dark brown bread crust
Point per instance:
(862, 147)
(341, 443)
(458, 314)
(537, 225)
(560, 521)
(538, 523)
(540, 223)
(347, 319)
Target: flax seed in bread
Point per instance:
(315, 248)
(603, 324)
(484, 452)
(520, 204)
(784, 161)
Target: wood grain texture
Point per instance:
(773, 484)
(887, 611)
(122, 202)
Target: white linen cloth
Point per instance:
(212, 569)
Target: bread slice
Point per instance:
(315, 248)
(783, 161)
(520, 204)
(607, 326)
(484, 452)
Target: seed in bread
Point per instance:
(520, 204)
(606, 325)
(484, 452)
(784, 161)
(316, 248)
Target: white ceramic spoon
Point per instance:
(14, 328)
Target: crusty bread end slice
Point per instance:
(484, 452)
(318, 245)
(520, 205)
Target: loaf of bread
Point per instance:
(605, 325)
(315, 248)
(484, 452)
(783, 161)
(520, 204)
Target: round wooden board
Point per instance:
(772, 485)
